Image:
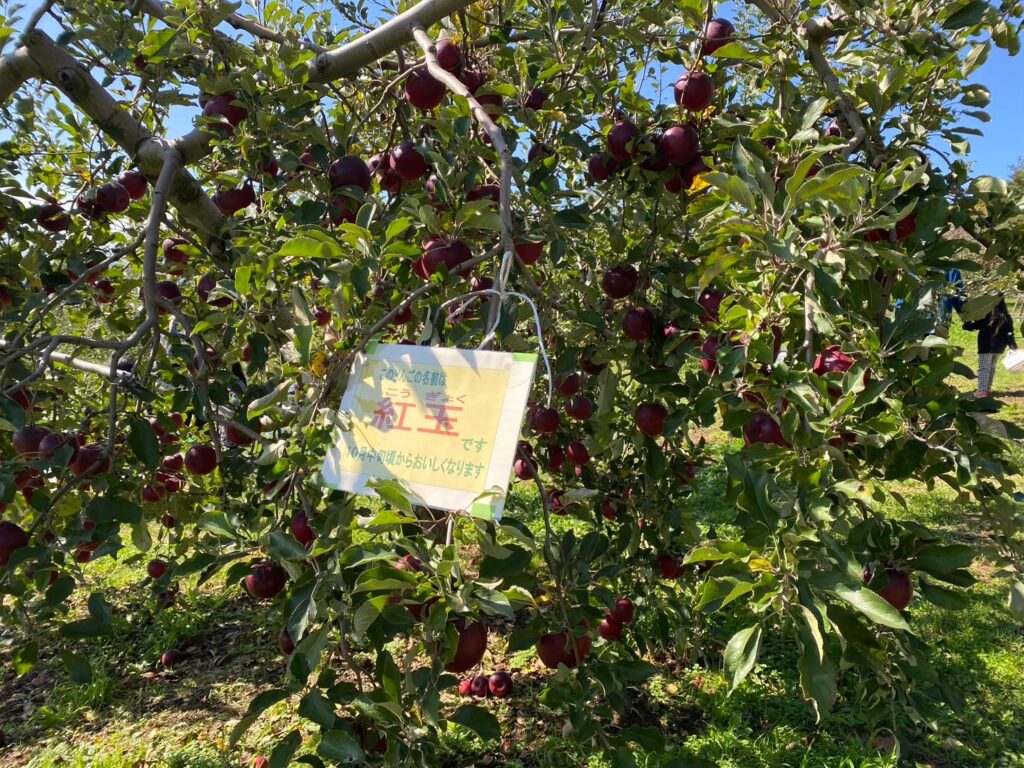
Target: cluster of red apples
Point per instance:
(678, 146)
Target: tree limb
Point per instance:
(349, 58)
(16, 69)
(56, 65)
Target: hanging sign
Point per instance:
(442, 422)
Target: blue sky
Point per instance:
(1003, 142)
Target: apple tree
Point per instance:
(725, 224)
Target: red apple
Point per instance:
(535, 98)
(710, 301)
(577, 453)
(285, 642)
(170, 658)
(619, 281)
(544, 420)
(153, 493)
(471, 646)
(556, 457)
(610, 629)
(473, 79)
(88, 456)
(568, 384)
(52, 218)
(54, 441)
(709, 348)
(349, 171)
(623, 611)
(134, 183)
(301, 530)
(231, 201)
(762, 428)
(500, 684)
(12, 537)
(224, 105)
(266, 581)
(669, 567)
(113, 198)
(530, 252)
(407, 162)
(679, 144)
(650, 418)
(622, 141)
(156, 569)
(169, 291)
(172, 251)
(899, 589)
(201, 459)
(27, 440)
(478, 686)
(557, 647)
(832, 360)
(580, 408)
(638, 323)
(717, 33)
(601, 166)
(694, 91)
(422, 90)
(448, 55)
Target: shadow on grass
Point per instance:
(214, 634)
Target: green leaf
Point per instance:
(99, 609)
(871, 605)
(942, 596)
(734, 187)
(817, 680)
(26, 657)
(341, 746)
(477, 719)
(78, 630)
(978, 307)
(314, 706)
(60, 591)
(309, 248)
(389, 676)
(649, 738)
(741, 655)
(263, 404)
(967, 14)
(78, 667)
(938, 559)
(243, 275)
(217, 524)
(285, 750)
(366, 614)
(143, 442)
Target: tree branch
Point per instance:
(57, 66)
(16, 69)
(349, 58)
(456, 86)
(158, 10)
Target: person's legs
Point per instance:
(986, 372)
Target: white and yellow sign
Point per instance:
(443, 422)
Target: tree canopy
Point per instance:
(731, 224)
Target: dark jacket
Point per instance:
(995, 330)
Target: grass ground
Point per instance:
(132, 716)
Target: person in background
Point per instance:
(953, 302)
(995, 334)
